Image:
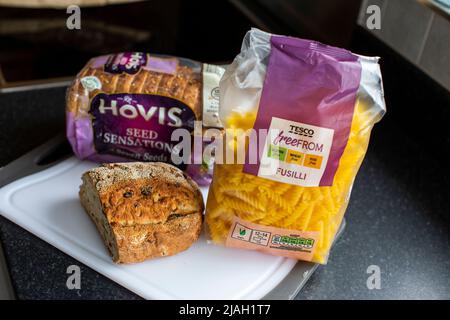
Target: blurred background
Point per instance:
(412, 37)
(401, 195)
(36, 45)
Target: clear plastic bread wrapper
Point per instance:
(126, 106)
(312, 108)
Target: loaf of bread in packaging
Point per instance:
(142, 210)
(182, 83)
(126, 107)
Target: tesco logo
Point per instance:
(301, 131)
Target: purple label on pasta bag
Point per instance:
(307, 103)
(128, 62)
(138, 126)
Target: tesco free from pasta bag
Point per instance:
(312, 108)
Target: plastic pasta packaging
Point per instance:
(317, 105)
(125, 107)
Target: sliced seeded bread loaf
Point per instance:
(143, 210)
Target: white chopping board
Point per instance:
(47, 205)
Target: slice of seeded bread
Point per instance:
(143, 210)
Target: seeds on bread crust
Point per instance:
(143, 210)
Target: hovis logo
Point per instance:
(301, 131)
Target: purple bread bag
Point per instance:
(126, 106)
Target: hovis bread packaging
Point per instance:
(125, 107)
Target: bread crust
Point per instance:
(143, 210)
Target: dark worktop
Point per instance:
(397, 219)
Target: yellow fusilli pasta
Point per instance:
(277, 204)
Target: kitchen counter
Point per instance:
(397, 219)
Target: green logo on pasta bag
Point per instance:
(277, 152)
(242, 232)
(293, 241)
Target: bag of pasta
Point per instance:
(303, 112)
